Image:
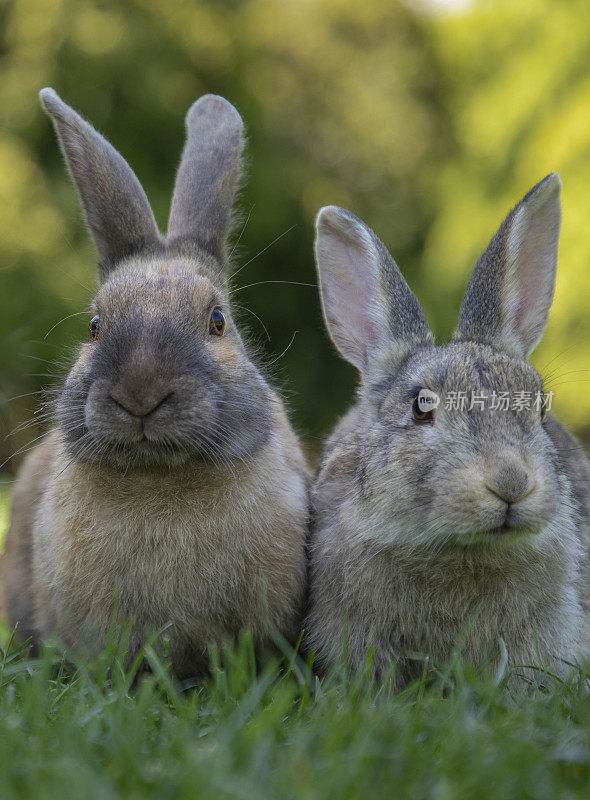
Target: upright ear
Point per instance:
(117, 210)
(208, 175)
(367, 305)
(509, 294)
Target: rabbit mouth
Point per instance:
(150, 445)
(156, 449)
(505, 531)
(169, 450)
(146, 451)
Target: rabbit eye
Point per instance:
(217, 323)
(419, 415)
(544, 408)
(93, 327)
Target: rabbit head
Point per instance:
(165, 377)
(432, 451)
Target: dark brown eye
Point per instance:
(419, 415)
(217, 323)
(93, 327)
(544, 406)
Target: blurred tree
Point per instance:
(340, 105)
(428, 126)
(517, 91)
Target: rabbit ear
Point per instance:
(208, 175)
(367, 305)
(117, 210)
(508, 297)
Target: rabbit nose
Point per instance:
(139, 406)
(510, 483)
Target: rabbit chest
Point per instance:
(200, 553)
(529, 599)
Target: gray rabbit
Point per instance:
(439, 513)
(173, 488)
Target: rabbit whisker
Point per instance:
(260, 252)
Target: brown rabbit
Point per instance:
(173, 488)
(430, 515)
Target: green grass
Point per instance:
(98, 731)
(279, 733)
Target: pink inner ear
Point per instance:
(530, 274)
(352, 295)
(526, 292)
(364, 301)
(533, 273)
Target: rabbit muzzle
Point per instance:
(156, 419)
(513, 499)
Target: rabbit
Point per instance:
(173, 490)
(436, 528)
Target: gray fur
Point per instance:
(358, 282)
(497, 308)
(155, 365)
(172, 487)
(480, 517)
(208, 176)
(117, 210)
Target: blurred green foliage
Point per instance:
(428, 126)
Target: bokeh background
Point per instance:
(429, 120)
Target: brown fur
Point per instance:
(165, 546)
(173, 493)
